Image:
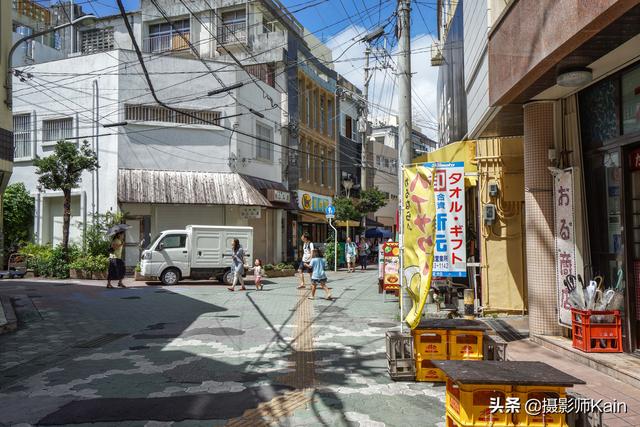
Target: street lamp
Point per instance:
(9, 82)
(347, 183)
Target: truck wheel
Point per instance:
(169, 277)
(227, 278)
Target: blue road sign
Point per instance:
(330, 211)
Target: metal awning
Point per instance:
(181, 187)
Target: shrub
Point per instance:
(98, 263)
(82, 263)
(50, 262)
(268, 267)
(138, 268)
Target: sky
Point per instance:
(339, 23)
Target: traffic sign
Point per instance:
(330, 211)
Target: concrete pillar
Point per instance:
(540, 246)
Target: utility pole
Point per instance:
(365, 119)
(404, 128)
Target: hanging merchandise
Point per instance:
(418, 236)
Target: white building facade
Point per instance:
(221, 163)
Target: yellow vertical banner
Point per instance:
(419, 234)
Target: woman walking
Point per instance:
(237, 257)
(116, 264)
(307, 251)
(363, 253)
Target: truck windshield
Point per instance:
(153, 241)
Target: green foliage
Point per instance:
(371, 200)
(50, 262)
(268, 267)
(329, 250)
(62, 171)
(82, 263)
(345, 209)
(95, 238)
(138, 268)
(18, 208)
(98, 263)
(283, 266)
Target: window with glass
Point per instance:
(55, 130)
(348, 127)
(307, 100)
(22, 135)
(309, 150)
(631, 101)
(330, 171)
(163, 36)
(322, 114)
(330, 120)
(174, 241)
(316, 164)
(233, 27)
(323, 172)
(264, 145)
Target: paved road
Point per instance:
(197, 354)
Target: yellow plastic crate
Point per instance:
(540, 393)
(465, 345)
(425, 371)
(468, 404)
(430, 343)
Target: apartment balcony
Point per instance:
(232, 33)
(166, 42)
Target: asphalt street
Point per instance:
(198, 355)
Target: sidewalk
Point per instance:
(598, 384)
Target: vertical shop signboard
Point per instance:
(565, 240)
(450, 256)
(391, 266)
(418, 219)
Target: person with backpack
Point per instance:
(307, 252)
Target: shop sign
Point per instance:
(250, 212)
(391, 266)
(418, 221)
(278, 196)
(312, 202)
(565, 240)
(450, 255)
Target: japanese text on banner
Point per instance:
(565, 241)
(418, 222)
(450, 255)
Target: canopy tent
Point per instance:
(379, 233)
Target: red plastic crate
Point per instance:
(596, 337)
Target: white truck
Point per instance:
(197, 252)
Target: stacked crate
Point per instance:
(400, 356)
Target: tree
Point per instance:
(62, 171)
(18, 206)
(371, 200)
(345, 209)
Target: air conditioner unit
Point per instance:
(436, 55)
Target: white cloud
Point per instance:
(383, 91)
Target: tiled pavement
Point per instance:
(197, 354)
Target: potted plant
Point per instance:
(138, 274)
(99, 265)
(79, 269)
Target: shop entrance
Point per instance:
(633, 236)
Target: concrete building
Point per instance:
(6, 125)
(29, 17)
(574, 92)
(225, 162)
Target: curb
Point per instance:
(8, 319)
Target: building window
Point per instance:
(378, 161)
(386, 162)
(323, 172)
(55, 130)
(97, 40)
(264, 72)
(330, 124)
(22, 135)
(309, 148)
(330, 171)
(348, 127)
(322, 114)
(233, 27)
(264, 149)
(631, 102)
(155, 113)
(316, 164)
(163, 36)
(307, 100)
